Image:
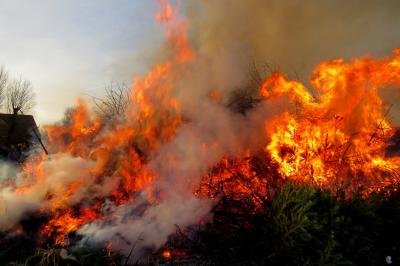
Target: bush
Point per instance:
(304, 225)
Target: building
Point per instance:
(18, 130)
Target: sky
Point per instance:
(71, 48)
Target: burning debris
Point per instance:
(172, 160)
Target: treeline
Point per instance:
(16, 94)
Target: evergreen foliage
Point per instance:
(300, 225)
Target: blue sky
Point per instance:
(70, 48)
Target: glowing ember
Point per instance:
(166, 254)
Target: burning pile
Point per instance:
(163, 163)
(340, 135)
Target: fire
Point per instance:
(169, 254)
(340, 134)
(166, 254)
(68, 222)
(120, 149)
(336, 134)
(237, 179)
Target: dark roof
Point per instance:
(19, 127)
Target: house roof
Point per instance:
(23, 129)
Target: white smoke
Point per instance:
(28, 193)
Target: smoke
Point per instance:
(228, 37)
(129, 231)
(47, 189)
(295, 36)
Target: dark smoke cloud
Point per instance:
(294, 35)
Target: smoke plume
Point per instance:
(200, 104)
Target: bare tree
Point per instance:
(20, 96)
(115, 101)
(246, 97)
(3, 82)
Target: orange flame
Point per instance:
(335, 135)
(120, 149)
(339, 135)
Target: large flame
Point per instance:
(339, 134)
(333, 135)
(120, 149)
